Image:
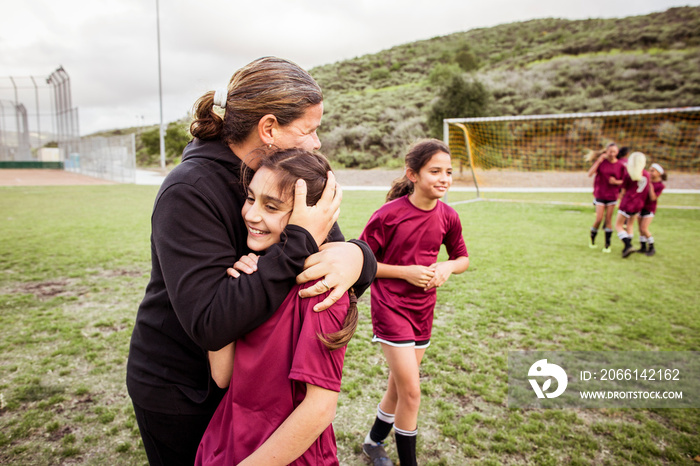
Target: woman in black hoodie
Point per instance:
(191, 305)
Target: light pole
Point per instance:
(160, 94)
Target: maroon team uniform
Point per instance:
(272, 365)
(636, 193)
(649, 205)
(602, 189)
(399, 233)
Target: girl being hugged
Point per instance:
(657, 175)
(636, 189)
(608, 173)
(405, 235)
(287, 372)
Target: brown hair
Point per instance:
(268, 85)
(290, 165)
(635, 165)
(418, 155)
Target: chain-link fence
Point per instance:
(111, 158)
(38, 123)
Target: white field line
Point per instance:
(584, 204)
(462, 189)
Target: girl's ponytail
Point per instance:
(399, 188)
(341, 338)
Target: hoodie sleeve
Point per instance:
(195, 246)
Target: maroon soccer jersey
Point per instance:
(602, 189)
(399, 233)
(649, 205)
(272, 365)
(636, 193)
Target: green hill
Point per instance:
(377, 103)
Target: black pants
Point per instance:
(171, 439)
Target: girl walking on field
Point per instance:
(608, 173)
(405, 235)
(657, 176)
(636, 188)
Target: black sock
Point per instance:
(380, 430)
(643, 245)
(594, 233)
(608, 235)
(628, 242)
(406, 447)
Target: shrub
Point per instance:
(379, 73)
(442, 73)
(466, 60)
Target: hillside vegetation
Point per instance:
(376, 104)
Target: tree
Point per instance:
(176, 138)
(460, 98)
(466, 59)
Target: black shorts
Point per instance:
(605, 202)
(627, 214)
(404, 343)
(646, 213)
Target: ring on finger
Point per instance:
(325, 283)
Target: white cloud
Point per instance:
(110, 51)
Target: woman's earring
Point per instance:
(269, 146)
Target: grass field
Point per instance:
(74, 263)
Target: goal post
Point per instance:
(563, 142)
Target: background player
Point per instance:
(657, 176)
(608, 173)
(636, 188)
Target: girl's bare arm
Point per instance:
(296, 434)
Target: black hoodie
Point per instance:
(191, 305)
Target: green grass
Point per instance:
(75, 262)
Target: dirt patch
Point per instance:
(41, 177)
(47, 289)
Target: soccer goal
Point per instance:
(555, 150)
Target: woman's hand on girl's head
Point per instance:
(247, 264)
(339, 264)
(320, 218)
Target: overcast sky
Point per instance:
(109, 47)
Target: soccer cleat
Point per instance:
(650, 252)
(376, 454)
(627, 251)
(591, 244)
(607, 250)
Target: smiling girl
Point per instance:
(287, 372)
(405, 235)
